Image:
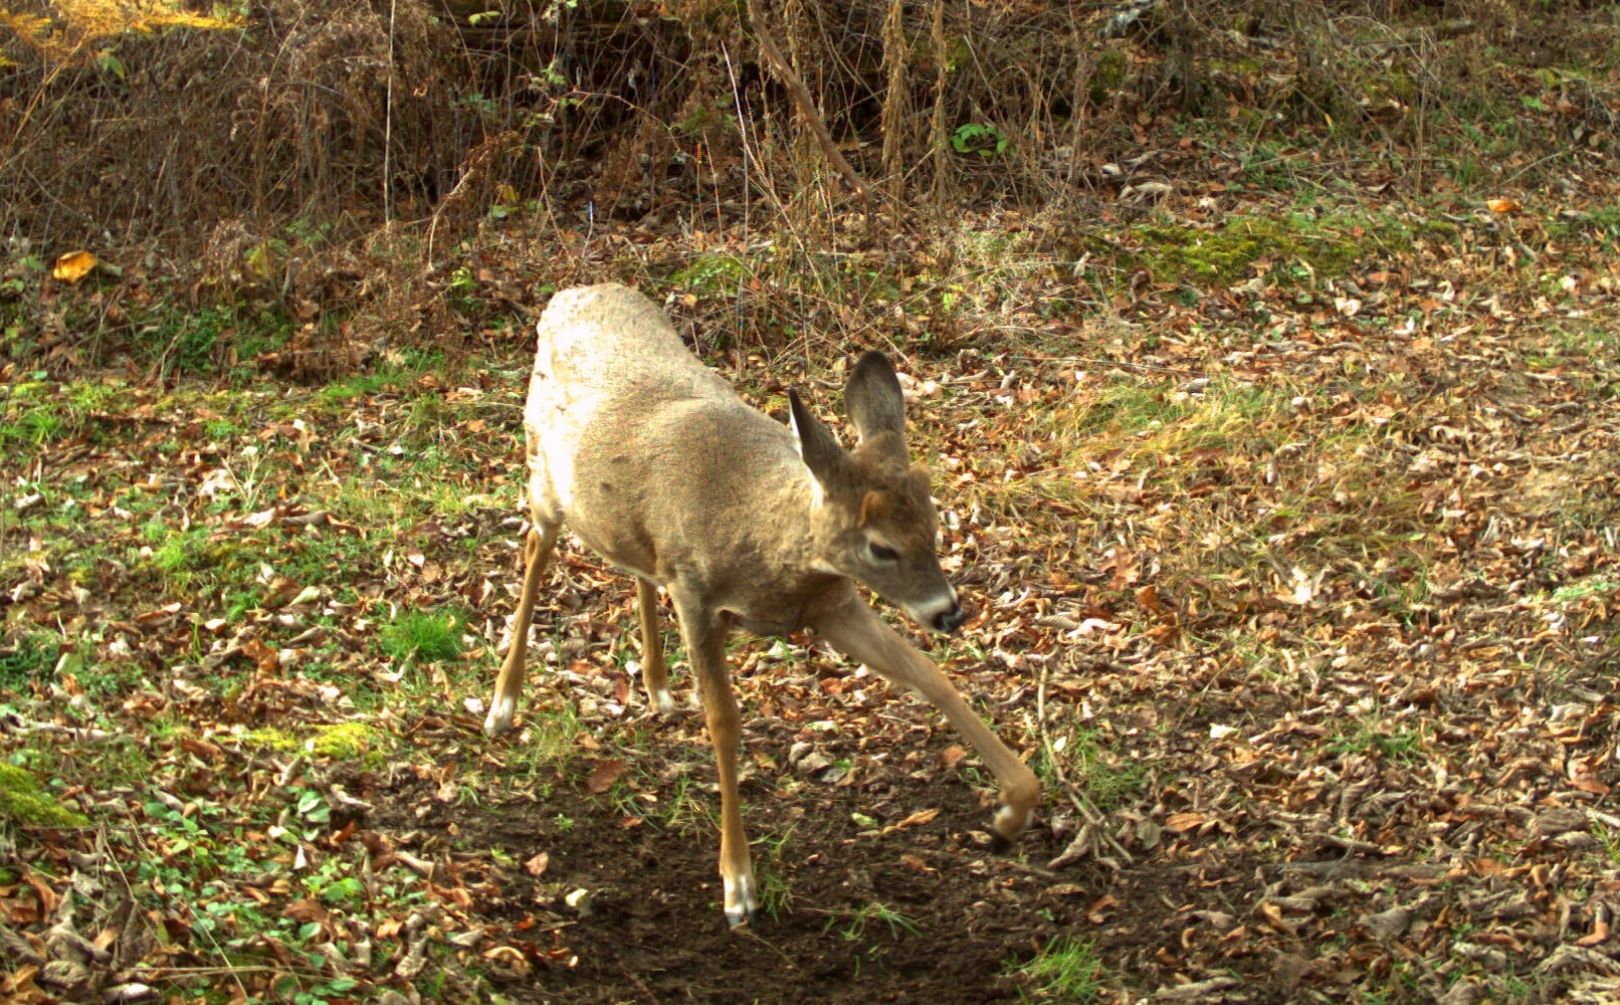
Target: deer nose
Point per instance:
(951, 620)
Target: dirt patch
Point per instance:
(628, 909)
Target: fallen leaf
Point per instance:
(605, 774)
(73, 266)
(916, 819)
(1180, 823)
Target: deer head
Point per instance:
(874, 520)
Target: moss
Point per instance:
(1444, 229)
(23, 802)
(341, 741)
(270, 738)
(713, 274)
(1107, 74)
(1322, 248)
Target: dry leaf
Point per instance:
(73, 266)
(1180, 823)
(605, 774)
(917, 818)
(1599, 933)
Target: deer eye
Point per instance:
(882, 552)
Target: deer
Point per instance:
(655, 462)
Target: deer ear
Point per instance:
(820, 451)
(871, 507)
(873, 402)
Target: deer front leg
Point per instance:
(705, 635)
(856, 631)
(536, 555)
(653, 674)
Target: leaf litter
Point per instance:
(1301, 599)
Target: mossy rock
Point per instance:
(23, 802)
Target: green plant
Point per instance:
(31, 657)
(1065, 970)
(1107, 781)
(421, 636)
(1370, 735)
(851, 926)
(776, 897)
(22, 801)
(714, 274)
(975, 138)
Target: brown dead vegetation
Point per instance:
(340, 162)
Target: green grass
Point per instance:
(1107, 781)
(775, 896)
(853, 925)
(206, 341)
(1158, 420)
(424, 637)
(32, 657)
(313, 557)
(1590, 587)
(395, 375)
(195, 563)
(36, 413)
(1065, 970)
(118, 761)
(548, 744)
(1371, 736)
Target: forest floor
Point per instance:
(1294, 571)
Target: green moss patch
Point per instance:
(341, 741)
(1294, 247)
(22, 801)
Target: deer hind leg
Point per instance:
(705, 636)
(536, 556)
(654, 676)
(860, 634)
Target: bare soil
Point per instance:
(653, 930)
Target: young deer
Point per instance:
(653, 461)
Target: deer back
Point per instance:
(652, 458)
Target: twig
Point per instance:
(1082, 805)
(801, 97)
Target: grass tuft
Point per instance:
(1065, 970)
(31, 658)
(424, 637)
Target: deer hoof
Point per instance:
(499, 719)
(1009, 823)
(742, 905)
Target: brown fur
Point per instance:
(653, 461)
